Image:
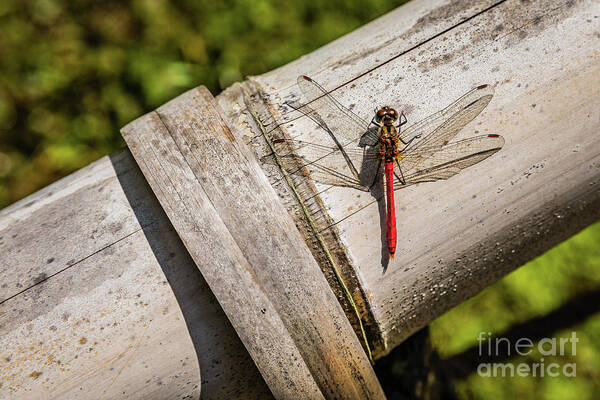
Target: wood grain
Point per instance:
(456, 236)
(105, 301)
(249, 251)
(75, 256)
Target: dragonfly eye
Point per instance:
(381, 114)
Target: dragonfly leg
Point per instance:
(406, 143)
(374, 122)
(400, 121)
(401, 177)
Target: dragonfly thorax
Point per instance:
(388, 142)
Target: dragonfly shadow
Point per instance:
(369, 173)
(371, 176)
(352, 159)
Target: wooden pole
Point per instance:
(99, 296)
(101, 299)
(457, 236)
(248, 250)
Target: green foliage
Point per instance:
(73, 72)
(533, 290)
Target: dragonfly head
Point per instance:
(386, 115)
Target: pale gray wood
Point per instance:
(250, 252)
(541, 188)
(101, 300)
(460, 235)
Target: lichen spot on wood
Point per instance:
(35, 374)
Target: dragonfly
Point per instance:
(350, 151)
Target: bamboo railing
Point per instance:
(204, 272)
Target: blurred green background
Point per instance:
(73, 72)
(554, 295)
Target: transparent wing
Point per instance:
(439, 128)
(462, 111)
(327, 112)
(327, 164)
(352, 158)
(342, 163)
(451, 159)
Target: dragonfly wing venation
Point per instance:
(307, 110)
(453, 158)
(328, 113)
(324, 175)
(475, 99)
(349, 166)
(351, 156)
(444, 132)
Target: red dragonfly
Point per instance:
(352, 152)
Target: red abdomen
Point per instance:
(391, 211)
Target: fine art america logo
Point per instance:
(547, 347)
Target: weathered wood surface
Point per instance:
(249, 251)
(86, 246)
(460, 235)
(100, 299)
